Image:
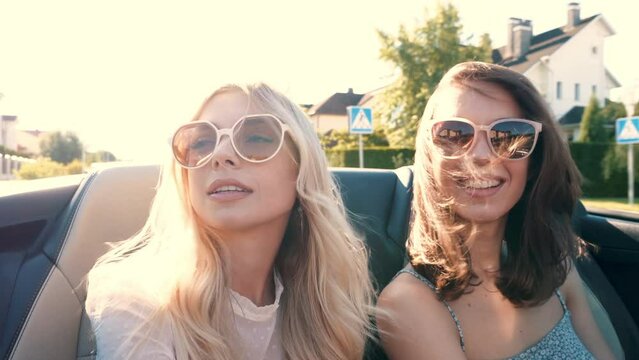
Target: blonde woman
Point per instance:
(247, 252)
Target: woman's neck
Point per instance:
(485, 244)
(254, 284)
(252, 258)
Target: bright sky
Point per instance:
(123, 74)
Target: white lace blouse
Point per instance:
(117, 334)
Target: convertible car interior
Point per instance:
(50, 238)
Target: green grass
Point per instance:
(611, 204)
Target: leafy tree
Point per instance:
(62, 148)
(43, 167)
(423, 55)
(74, 167)
(591, 128)
(6, 151)
(609, 114)
(612, 110)
(99, 156)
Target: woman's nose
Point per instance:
(481, 150)
(224, 154)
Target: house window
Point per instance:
(594, 50)
(577, 92)
(558, 90)
(594, 90)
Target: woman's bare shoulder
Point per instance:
(573, 285)
(414, 323)
(406, 289)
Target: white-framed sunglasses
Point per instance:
(512, 139)
(255, 138)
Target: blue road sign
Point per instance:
(627, 130)
(360, 120)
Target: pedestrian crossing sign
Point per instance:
(627, 130)
(360, 120)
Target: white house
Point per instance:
(22, 141)
(565, 64)
(29, 141)
(8, 132)
(331, 113)
(8, 142)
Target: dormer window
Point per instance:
(558, 91)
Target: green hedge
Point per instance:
(379, 158)
(603, 166)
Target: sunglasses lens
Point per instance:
(453, 137)
(192, 143)
(258, 137)
(512, 139)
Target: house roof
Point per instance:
(573, 116)
(305, 107)
(35, 133)
(369, 96)
(366, 98)
(541, 45)
(612, 79)
(336, 104)
(9, 117)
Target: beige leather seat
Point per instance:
(112, 204)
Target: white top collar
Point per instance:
(245, 308)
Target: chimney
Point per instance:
(573, 15)
(522, 34)
(512, 22)
(350, 91)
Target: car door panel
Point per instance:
(25, 219)
(613, 240)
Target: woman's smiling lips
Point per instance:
(227, 190)
(479, 188)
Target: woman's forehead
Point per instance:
(228, 101)
(476, 99)
(225, 108)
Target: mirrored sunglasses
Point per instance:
(255, 138)
(512, 139)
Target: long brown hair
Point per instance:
(539, 238)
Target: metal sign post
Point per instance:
(631, 161)
(631, 175)
(627, 132)
(361, 152)
(360, 121)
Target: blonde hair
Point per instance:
(323, 264)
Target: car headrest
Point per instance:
(378, 202)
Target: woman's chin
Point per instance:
(481, 214)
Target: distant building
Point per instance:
(8, 132)
(371, 98)
(331, 114)
(565, 64)
(29, 141)
(25, 142)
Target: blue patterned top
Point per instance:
(561, 342)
